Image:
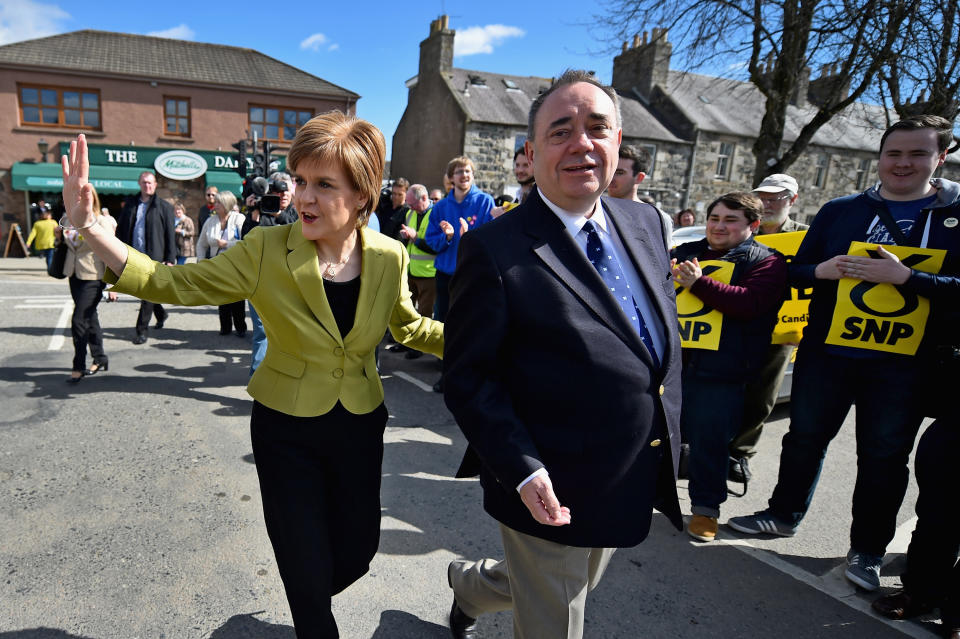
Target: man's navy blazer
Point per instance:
(542, 368)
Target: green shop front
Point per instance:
(114, 170)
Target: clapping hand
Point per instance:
(887, 268)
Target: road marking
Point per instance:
(400, 434)
(834, 583)
(57, 339)
(413, 380)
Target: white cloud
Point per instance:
(333, 47)
(483, 39)
(314, 42)
(179, 32)
(26, 20)
(736, 66)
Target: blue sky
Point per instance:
(370, 47)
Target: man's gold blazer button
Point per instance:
(655, 443)
(662, 389)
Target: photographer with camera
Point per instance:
(268, 204)
(269, 201)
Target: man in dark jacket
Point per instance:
(568, 392)
(871, 348)
(147, 223)
(716, 371)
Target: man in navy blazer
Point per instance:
(570, 404)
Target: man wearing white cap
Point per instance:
(779, 193)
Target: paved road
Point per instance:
(129, 507)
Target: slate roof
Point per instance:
(721, 105)
(166, 59)
(495, 103)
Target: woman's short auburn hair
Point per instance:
(355, 145)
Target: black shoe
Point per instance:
(241, 332)
(438, 387)
(140, 339)
(75, 380)
(412, 354)
(461, 625)
(99, 366)
(226, 332)
(161, 320)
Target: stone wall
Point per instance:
(491, 148)
(667, 181)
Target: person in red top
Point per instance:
(714, 381)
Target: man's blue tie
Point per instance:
(605, 261)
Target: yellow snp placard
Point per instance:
(700, 325)
(792, 316)
(883, 317)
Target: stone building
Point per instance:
(138, 98)
(699, 129)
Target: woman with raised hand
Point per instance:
(326, 289)
(85, 271)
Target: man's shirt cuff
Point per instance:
(537, 473)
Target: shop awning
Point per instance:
(29, 176)
(224, 181)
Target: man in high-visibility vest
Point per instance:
(421, 276)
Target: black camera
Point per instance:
(267, 194)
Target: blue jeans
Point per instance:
(259, 340)
(47, 255)
(711, 415)
(886, 392)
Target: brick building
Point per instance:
(137, 99)
(699, 129)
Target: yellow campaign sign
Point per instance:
(792, 316)
(883, 317)
(700, 325)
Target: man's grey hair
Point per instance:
(419, 191)
(280, 175)
(571, 76)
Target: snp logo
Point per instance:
(883, 317)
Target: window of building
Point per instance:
(652, 150)
(724, 161)
(277, 123)
(176, 116)
(863, 174)
(518, 141)
(59, 106)
(823, 162)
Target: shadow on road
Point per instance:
(247, 626)
(40, 633)
(396, 623)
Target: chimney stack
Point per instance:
(644, 65)
(436, 52)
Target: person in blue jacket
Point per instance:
(464, 208)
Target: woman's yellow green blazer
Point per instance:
(308, 365)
